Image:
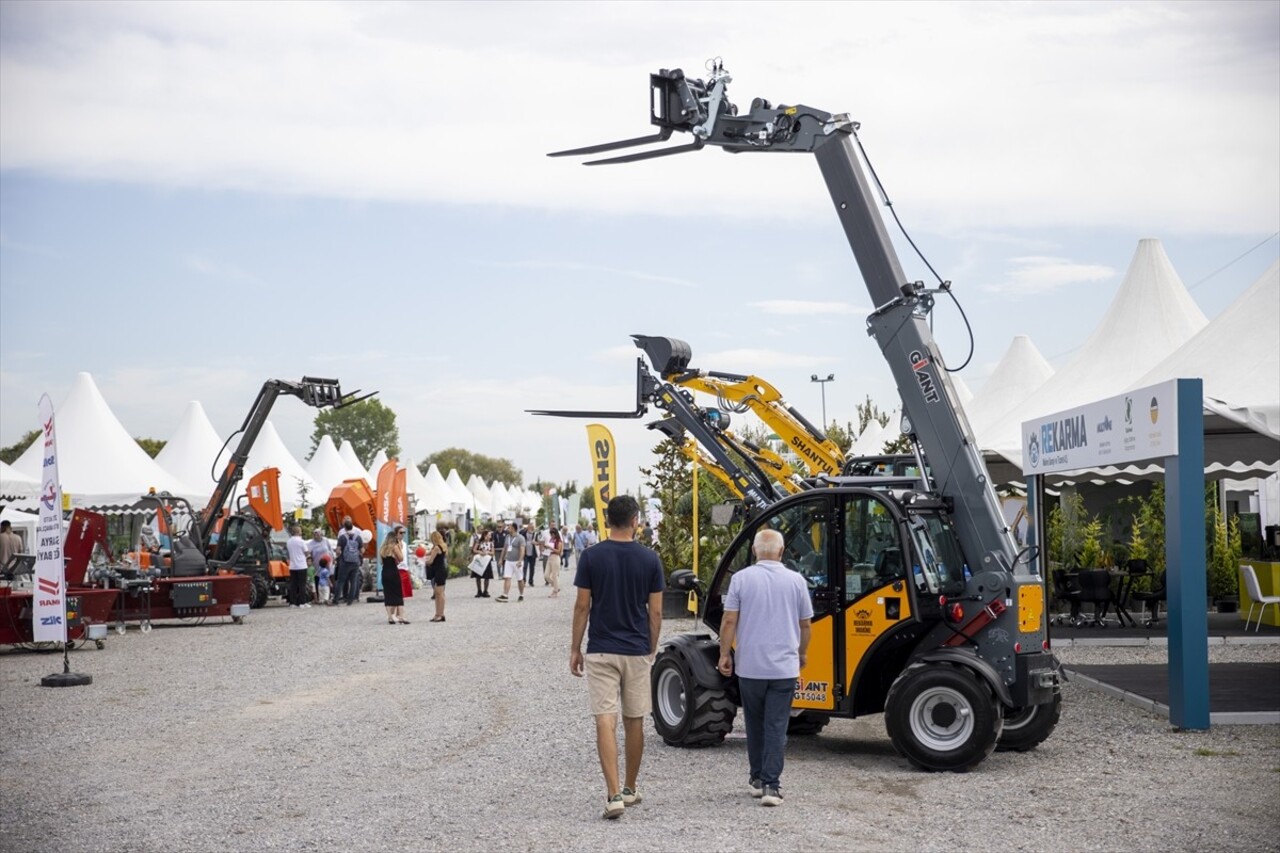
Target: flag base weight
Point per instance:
(66, 679)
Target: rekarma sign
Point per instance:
(1131, 427)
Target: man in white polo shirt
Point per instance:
(768, 612)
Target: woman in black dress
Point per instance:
(392, 554)
(438, 572)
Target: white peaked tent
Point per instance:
(1020, 371)
(461, 494)
(99, 463)
(500, 499)
(480, 493)
(16, 485)
(375, 466)
(438, 497)
(962, 390)
(415, 483)
(327, 468)
(192, 450)
(355, 471)
(532, 501)
(270, 452)
(871, 441)
(1238, 357)
(1151, 316)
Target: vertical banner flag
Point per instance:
(383, 503)
(604, 468)
(400, 497)
(48, 614)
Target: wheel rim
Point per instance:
(671, 697)
(1020, 718)
(941, 718)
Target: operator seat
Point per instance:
(186, 558)
(888, 566)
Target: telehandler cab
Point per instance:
(924, 608)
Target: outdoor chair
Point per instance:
(1256, 599)
(1095, 588)
(1157, 594)
(1065, 591)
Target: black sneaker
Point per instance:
(756, 788)
(521, 598)
(772, 796)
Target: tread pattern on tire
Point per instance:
(805, 724)
(1027, 737)
(710, 711)
(891, 721)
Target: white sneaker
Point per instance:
(306, 606)
(631, 797)
(614, 807)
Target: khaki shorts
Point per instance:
(611, 676)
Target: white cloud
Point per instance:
(458, 103)
(803, 308)
(1038, 274)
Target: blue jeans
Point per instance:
(766, 707)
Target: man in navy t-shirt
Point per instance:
(619, 607)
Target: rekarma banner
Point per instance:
(49, 613)
(1131, 427)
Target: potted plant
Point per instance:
(1222, 566)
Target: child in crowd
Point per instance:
(323, 573)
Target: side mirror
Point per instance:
(722, 515)
(683, 580)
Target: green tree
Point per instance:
(467, 463)
(12, 452)
(152, 446)
(668, 479)
(368, 425)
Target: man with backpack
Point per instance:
(350, 556)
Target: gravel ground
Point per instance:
(328, 729)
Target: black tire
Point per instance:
(942, 717)
(1027, 728)
(259, 592)
(685, 714)
(807, 723)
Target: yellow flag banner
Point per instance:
(604, 467)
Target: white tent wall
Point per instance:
(327, 468)
(1150, 316)
(437, 497)
(355, 468)
(14, 484)
(379, 459)
(191, 453)
(1018, 374)
(99, 462)
(270, 452)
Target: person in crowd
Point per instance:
(324, 571)
(619, 607)
(317, 548)
(767, 612)
(392, 555)
(482, 561)
(297, 549)
(555, 548)
(566, 542)
(350, 557)
(531, 552)
(438, 571)
(10, 543)
(512, 563)
(581, 540)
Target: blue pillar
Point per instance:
(1185, 566)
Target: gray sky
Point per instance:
(197, 197)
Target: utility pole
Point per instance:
(823, 384)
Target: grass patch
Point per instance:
(1201, 750)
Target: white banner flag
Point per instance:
(49, 615)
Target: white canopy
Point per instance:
(480, 493)
(327, 467)
(191, 452)
(1020, 371)
(355, 470)
(14, 484)
(98, 461)
(416, 483)
(437, 497)
(270, 452)
(461, 494)
(870, 442)
(501, 499)
(1151, 316)
(375, 466)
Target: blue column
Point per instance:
(1185, 566)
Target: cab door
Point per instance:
(806, 525)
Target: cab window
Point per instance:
(872, 556)
(803, 527)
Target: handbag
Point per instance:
(479, 563)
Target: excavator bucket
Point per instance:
(352, 498)
(264, 497)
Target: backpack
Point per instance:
(350, 547)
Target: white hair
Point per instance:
(768, 544)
